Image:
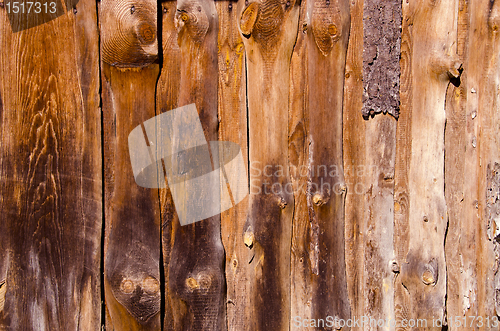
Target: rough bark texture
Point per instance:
(381, 50)
(50, 177)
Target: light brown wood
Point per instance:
(233, 127)
(422, 279)
(269, 31)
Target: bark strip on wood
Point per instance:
(381, 50)
(50, 177)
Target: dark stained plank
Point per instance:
(132, 243)
(421, 255)
(233, 127)
(50, 173)
(269, 31)
(195, 293)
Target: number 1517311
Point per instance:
(28, 7)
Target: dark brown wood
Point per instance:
(50, 174)
(132, 246)
(196, 293)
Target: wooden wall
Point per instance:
(371, 134)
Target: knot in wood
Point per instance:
(127, 286)
(151, 285)
(326, 26)
(430, 274)
(191, 21)
(146, 33)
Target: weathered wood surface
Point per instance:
(50, 174)
(233, 127)
(318, 261)
(430, 61)
(369, 149)
(269, 30)
(132, 241)
(289, 82)
(195, 292)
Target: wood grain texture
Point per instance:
(381, 49)
(482, 148)
(434, 63)
(132, 243)
(269, 31)
(318, 238)
(354, 158)
(50, 178)
(369, 149)
(233, 127)
(195, 292)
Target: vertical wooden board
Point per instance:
(132, 246)
(233, 127)
(269, 30)
(328, 25)
(195, 272)
(354, 158)
(50, 173)
(167, 98)
(300, 284)
(434, 63)
(369, 151)
(459, 227)
(484, 99)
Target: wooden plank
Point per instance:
(195, 294)
(482, 144)
(167, 98)
(369, 150)
(422, 280)
(269, 31)
(132, 250)
(233, 127)
(458, 254)
(318, 238)
(354, 158)
(50, 177)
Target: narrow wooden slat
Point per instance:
(422, 280)
(269, 31)
(233, 127)
(50, 173)
(318, 238)
(459, 227)
(483, 156)
(354, 158)
(195, 295)
(132, 246)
